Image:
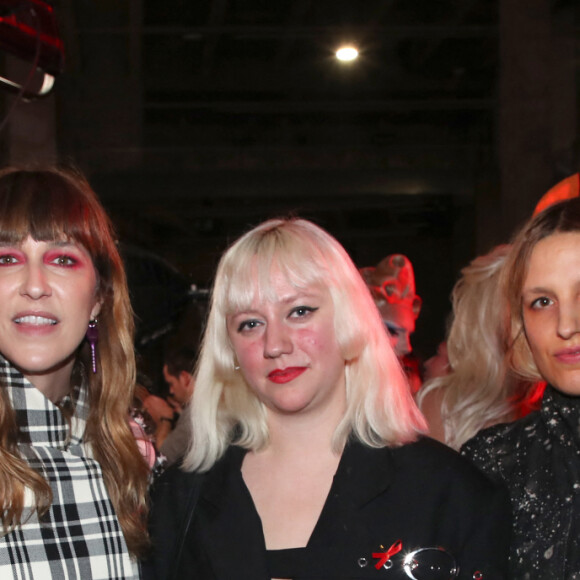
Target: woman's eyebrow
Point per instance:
(536, 290)
(299, 296)
(62, 243)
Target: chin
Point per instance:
(568, 385)
(290, 406)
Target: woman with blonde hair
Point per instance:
(478, 390)
(306, 458)
(72, 481)
(537, 457)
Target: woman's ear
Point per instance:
(96, 310)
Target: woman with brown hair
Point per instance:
(72, 481)
(538, 457)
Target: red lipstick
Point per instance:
(280, 376)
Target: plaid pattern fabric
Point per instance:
(79, 537)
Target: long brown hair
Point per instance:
(562, 217)
(53, 204)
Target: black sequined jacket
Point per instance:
(421, 494)
(538, 457)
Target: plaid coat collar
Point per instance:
(41, 422)
(80, 536)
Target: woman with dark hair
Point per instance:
(307, 458)
(538, 457)
(72, 481)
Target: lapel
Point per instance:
(232, 534)
(363, 474)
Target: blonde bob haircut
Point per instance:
(380, 408)
(51, 204)
(563, 217)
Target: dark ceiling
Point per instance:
(262, 75)
(235, 110)
(265, 73)
(197, 118)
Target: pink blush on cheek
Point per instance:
(319, 341)
(247, 355)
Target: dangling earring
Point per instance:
(92, 339)
(236, 364)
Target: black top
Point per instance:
(538, 457)
(286, 563)
(281, 563)
(419, 495)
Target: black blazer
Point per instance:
(422, 494)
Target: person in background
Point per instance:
(392, 285)
(163, 414)
(307, 458)
(538, 456)
(476, 388)
(178, 373)
(73, 483)
(143, 426)
(178, 367)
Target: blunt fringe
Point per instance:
(54, 204)
(380, 407)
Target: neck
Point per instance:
(54, 385)
(303, 433)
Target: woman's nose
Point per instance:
(569, 319)
(276, 340)
(35, 283)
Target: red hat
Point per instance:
(563, 190)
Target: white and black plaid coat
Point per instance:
(80, 536)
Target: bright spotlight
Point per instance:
(347, 53)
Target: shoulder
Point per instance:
(411, 465)
(173, 478)
(496, 448)
(429, 452)
(502, 438)
(173, 489)
(169, 496)
(443, 466)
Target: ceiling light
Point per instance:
(346, 53)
